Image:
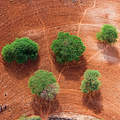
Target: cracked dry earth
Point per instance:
(41, 21)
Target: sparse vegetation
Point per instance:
(90, 82)
(30, 118)
(44, 84)
(21, 50)
(23, 118)
(50, 91)
(72, 88)
(67, 47)
(34, 118)
(108, 34)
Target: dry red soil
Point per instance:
(41, 20)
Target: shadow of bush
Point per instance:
(108, 52)
(93, 102)
(20, 71)
(74, 70)
(44, 108)
(74, 64)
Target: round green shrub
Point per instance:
(90, 82)
(108, 34)
(21, 50)
(43, 83)
(67, 47)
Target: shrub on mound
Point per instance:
(21, 50)
(67, 47)
(43, 84)
(108, 34)
(90, 82)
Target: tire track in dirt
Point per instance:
(63, 91)
(44, 29)
(94, 4)
(23, 88)
(67, 94)
(31, 13)
(45, 35)
(84, 14)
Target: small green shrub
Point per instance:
(23, 118)
(90, 82)
(34, 118)
(29, 118)
(108, 34)
(43, 83)
(21, 50)
(67, 47)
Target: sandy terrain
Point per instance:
(41, 21)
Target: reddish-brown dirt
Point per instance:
(41, 21)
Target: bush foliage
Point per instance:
(90, 82)
(67, 47)
(44, 84)
(7, 53)
(34, 118)
(108, 34)
(21, 50)
(30, 118)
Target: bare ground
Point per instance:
(41, 21)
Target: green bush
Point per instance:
(30, 118)
(23, 118)
(44, 84)
(34, 118)
(21, 50)
(90, 82)
(108, 34)
(67, 47)
(7, 53)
